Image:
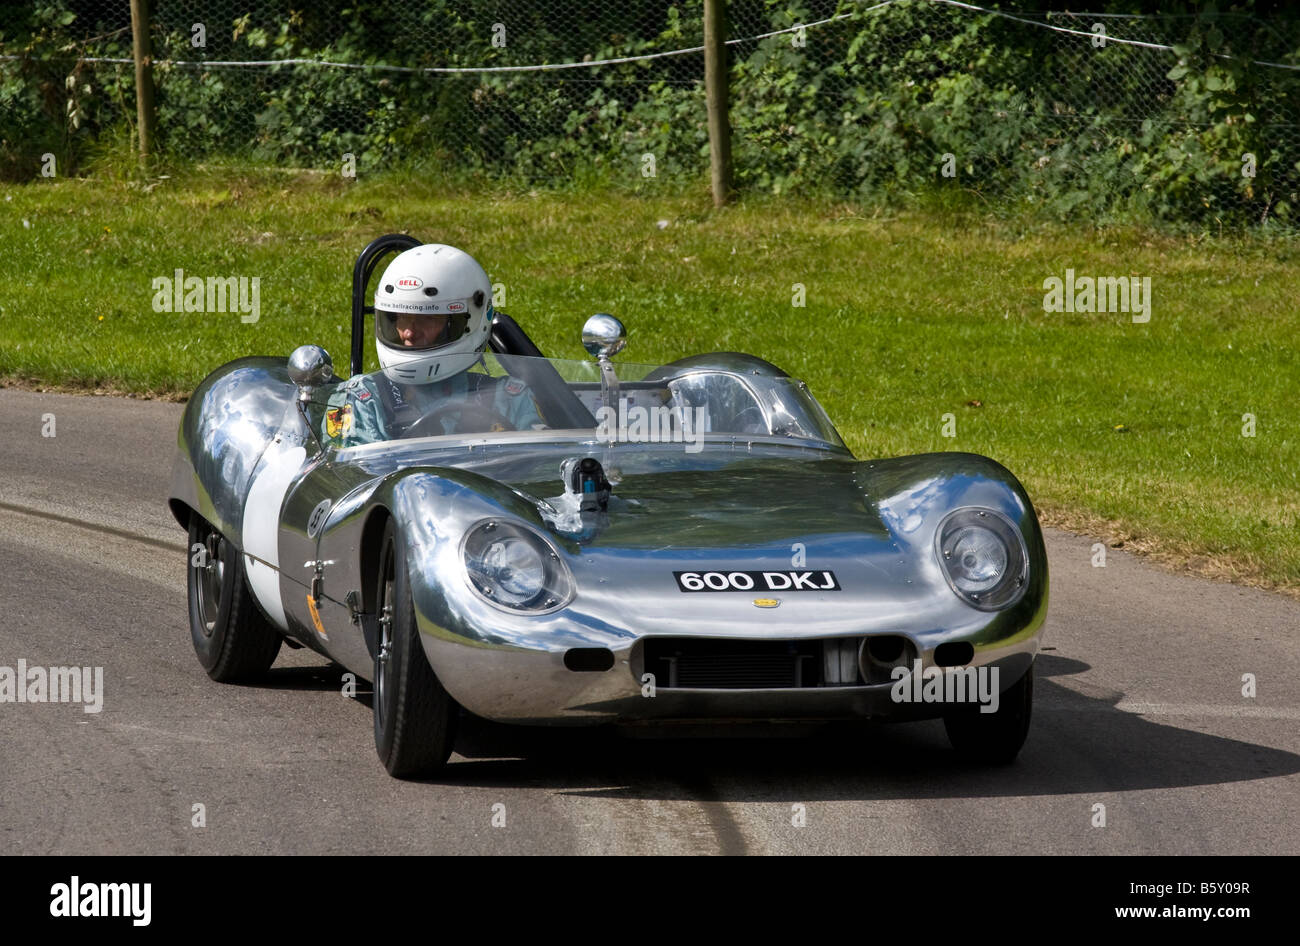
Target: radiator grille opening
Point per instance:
(717, 664)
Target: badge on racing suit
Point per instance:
(338, 421)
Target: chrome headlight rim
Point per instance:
(1015, 580)
(558, 588)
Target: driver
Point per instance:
(433, 317)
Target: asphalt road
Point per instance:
(1138, 708)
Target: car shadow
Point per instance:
(1078, 742)
(320, 677)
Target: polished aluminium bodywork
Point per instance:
(307, 520)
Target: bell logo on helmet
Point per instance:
(455, 307)
(409, 282)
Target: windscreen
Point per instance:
(689, 404)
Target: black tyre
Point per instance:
(994, 738)
(415, 718)
(232, 638)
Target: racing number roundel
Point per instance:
(317, 518)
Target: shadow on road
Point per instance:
(1077, 743)
(319, 678)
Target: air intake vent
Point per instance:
(712, 664)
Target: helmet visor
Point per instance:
(413, 331)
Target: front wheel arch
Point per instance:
(233, 640)
(414, 716)
(372, 543)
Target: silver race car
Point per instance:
(684, 542)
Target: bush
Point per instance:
(877, 104)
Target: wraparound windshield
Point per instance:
(684, 402)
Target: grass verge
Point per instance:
(1133, 432)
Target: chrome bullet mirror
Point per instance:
(603, 336)
(310, 366)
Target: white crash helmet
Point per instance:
(424, 287)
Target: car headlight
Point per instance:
(983, 556)
(515, 568)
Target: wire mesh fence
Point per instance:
(1186, 117)
(1189, 117)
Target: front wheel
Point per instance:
(994, 737)
(415, 717)
(233, 640)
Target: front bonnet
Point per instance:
(859, 536)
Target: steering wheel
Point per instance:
(471, 418)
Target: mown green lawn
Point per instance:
(1130, 430)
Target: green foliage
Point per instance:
(52, 102)
(1031, 117)
(868, 103)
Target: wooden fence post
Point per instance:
(715, 91)
(143, 78)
